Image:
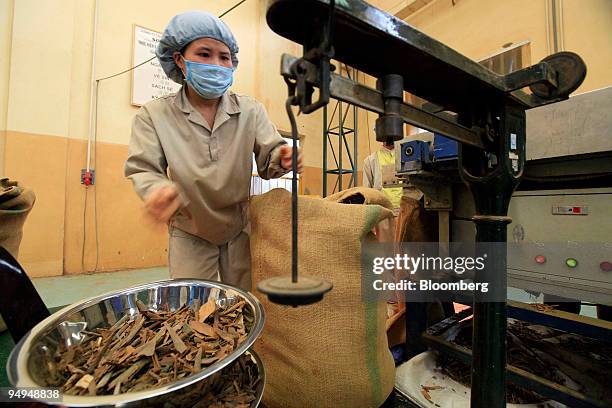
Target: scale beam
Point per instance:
(375, 42)
(347, 90)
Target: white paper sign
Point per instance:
(149, 80)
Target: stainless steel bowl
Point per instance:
(27, 364)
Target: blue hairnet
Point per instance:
(186, 27)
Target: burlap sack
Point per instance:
(361, 195)
(383, 230)
(333, 353)
(15, 205)
(414, 224)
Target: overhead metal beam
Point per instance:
(371, 99)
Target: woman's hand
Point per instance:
(285, 157)
(162, 203)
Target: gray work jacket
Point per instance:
(172, 143)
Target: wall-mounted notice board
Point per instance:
(149, 80)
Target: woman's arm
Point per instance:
(146, 166)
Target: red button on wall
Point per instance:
(605, 266)
(540, 259)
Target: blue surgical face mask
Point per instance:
(209, 81)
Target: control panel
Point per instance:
(560, 242)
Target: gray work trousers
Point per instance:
(190, 256)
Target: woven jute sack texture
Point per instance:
(16, 203)
(414, 224)
(333, 353)
(383, 230)
(361, 195)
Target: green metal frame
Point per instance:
(341, 131)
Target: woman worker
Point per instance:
(190, 155)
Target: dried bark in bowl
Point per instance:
(156, 348)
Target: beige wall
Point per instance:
(45, 107)
(6, 27)
(39, 163)
(114, 51)
(271, 89)
(587, 30)
(45, 68)
(39, 89)
(479, 28)
(47, 114)
(68, 62)
(58, 97)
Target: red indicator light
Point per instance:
(605, 266)
(576, 210)
(540, 259)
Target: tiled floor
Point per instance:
(64, 290)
